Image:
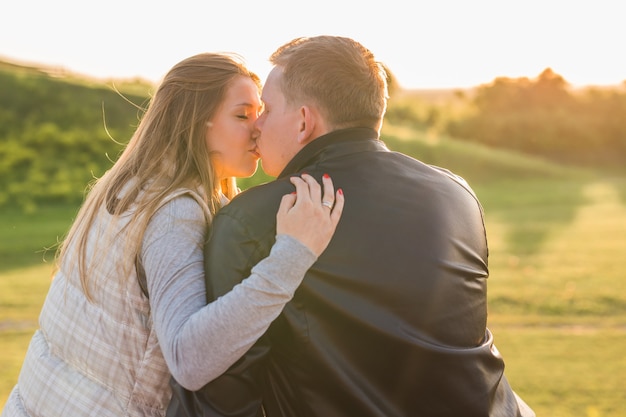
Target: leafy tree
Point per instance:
(544, 117)
(56, 135)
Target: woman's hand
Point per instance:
(307, 215)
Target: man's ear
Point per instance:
(307, 121)
(312, 124)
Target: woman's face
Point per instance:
(232, 149)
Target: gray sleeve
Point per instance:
(200, 341)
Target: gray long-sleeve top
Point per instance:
(200, 341)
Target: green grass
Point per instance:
(31, 238)
(557, 293)
(566, 371)
(22, 292)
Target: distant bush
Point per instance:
(56, 135)
(544, 117)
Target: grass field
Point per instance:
(557, 291)
(557, 295)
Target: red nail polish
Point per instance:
(340, 191)
(326, 176)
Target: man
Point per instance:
(391, 319)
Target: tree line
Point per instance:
(59, 133)
(543, 116)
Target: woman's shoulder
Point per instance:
(182, 205)
(186, 200)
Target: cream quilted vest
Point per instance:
(94, 359)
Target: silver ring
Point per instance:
(328, 204)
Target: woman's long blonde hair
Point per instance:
(168, 151)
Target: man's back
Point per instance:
(391, 319)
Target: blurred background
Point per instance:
(527, 101)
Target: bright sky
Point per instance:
(427, 44)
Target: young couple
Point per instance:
(386, 319)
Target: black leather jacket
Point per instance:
(390, 321)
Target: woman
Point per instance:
(126, 309)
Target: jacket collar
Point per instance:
(334, 144)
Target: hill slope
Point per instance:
(58, 131)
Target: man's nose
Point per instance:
(258, 123)
(255, 133)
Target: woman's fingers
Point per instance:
(311, 214)
(328, 199)
(286, 203)
(307, 188)
(303, 193)
(335, 214)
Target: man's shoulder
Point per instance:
(259, 200)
